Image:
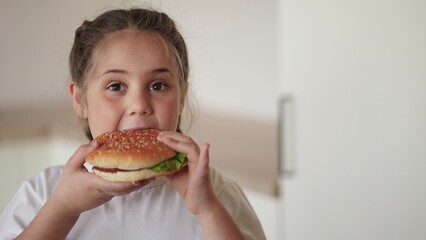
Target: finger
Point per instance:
(190, 148)
(137, 186)
(78, 158)
(172, 176)
(202, 166)
(118, 188)
(133, 188)
(173, 135)
(181, 143)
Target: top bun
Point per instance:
(129, 150)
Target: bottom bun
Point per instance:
(129, 176)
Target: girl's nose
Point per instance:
(139, 104)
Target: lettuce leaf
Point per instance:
(174, 164)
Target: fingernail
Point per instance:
(136, 183)
(159, 136)
(94, 143)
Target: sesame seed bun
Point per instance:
(127, 156)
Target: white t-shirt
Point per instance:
(154, 212)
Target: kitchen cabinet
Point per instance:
(356, 72)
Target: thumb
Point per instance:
(78, 158)
(203, 162)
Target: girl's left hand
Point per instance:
(193, 182)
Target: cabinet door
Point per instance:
(356, 71)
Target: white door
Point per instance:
(357, 74)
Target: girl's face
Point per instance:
(133, 85)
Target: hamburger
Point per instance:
(133, 155)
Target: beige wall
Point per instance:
(232, 48)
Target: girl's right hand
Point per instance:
(79, 191)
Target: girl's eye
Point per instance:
(158, 86)
(115, 87)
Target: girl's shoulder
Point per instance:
(236, 203)
(223, 184)
(44, 183)
(27, 201)
(50, 173)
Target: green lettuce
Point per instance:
(172, 165)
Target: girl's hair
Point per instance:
(91, 33)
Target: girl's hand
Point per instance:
(193, 182)
(79, 190)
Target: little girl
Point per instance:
(129, 70)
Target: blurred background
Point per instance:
(317, 108)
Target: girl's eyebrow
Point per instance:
(117, 71)
(161, 70)
(120, 71)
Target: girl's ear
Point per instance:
(77, 102)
